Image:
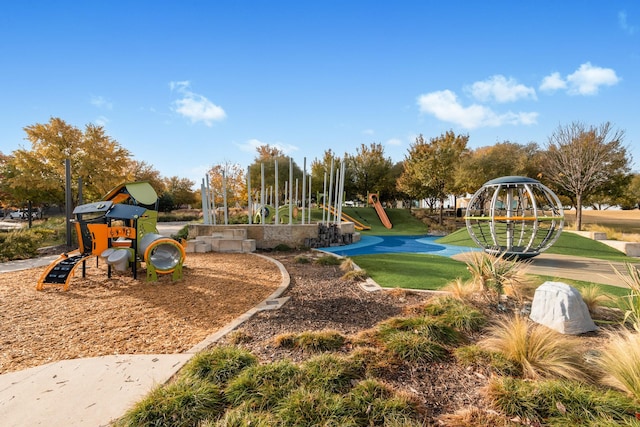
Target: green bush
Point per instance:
(474, 356)
(19, 244)
(456, 313)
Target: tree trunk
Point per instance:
(441, 213)
(578, 212)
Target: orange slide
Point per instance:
(373, 199)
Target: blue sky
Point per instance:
(190, 84)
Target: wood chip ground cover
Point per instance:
(119, 315)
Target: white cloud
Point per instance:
(394, 141)
(101, 102)
(251, 146)
(444, 105)
(588, 79)
(195, 107)
(553, 82)
(500, 89)
(624, 24)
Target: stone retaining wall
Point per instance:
(269, 236)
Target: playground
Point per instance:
(119, 315)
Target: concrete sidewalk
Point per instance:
(95, 391)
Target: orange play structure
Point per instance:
(120, 229)
(373, 199)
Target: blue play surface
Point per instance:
(397, 244)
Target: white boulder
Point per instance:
(561, 308)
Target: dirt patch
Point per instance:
(101, 316)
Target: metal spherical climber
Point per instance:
(514, 216)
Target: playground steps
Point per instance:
(61, 271)
(232, 240)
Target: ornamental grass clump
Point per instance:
(456, 313)
(593, 297)
(538, 351)
(316, 341)
(631, 303)
(620, 362)
(328, 260)
(218, 365)
(493, 276)
(559, 402)
(332, 373)
(374, 403)
(262, 387)
(180, 404)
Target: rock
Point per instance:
(561, 308)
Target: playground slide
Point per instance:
(373, 199)
(357, 224)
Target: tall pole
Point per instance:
(68, 198)
(324, 196)
(224, 196)
(304, 187)
(330, 198)
(276, 191)
(262, 195)
(309, 197)
(249, 198)
(290, 191)
(205, 203)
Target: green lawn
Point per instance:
(412, 271)
(567, 244)
(432, 272)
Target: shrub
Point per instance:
(538, 351)
(218, 365)
(460, 289)
(20, 244)
(283, 247)
(180, 404)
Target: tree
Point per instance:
(580, 159)
(633, 192)
(429, 168)
(236, 184)
(38, 174)
(181, 190)
(370, 171)
(502, 159)
(143, 171)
